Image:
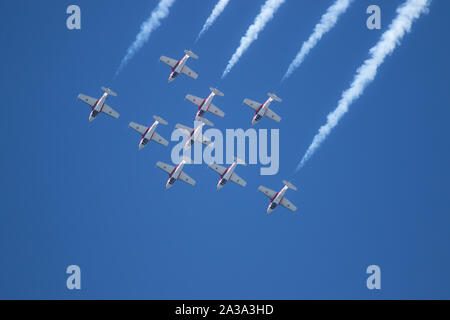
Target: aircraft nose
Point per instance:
(91, 118)
(140, 146)
(168, 186)
(219, 186)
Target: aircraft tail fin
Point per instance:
(274, 97)
(191, 54)
(216, 91)
(160, 120)
(289, 185)
(109, 91)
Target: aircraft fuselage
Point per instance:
(147, 136)
(194, 136)
(226, 175)
(176, 70)
(204, 106)
(175, 175)
(261, 111)
(276, 200)
(97, 107)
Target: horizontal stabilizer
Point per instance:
(160, 120)
(289, 185)
(184, 129)
(191, 54)
(274, 97)
(217, 92)
(109, 91)
(206, 121)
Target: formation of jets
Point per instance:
(204, 105)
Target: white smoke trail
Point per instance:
(218, 9)
(147, 27)
(327, 22)
(265, 15)
(406, 14)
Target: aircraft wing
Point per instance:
(268, 192)
(186, 130)
(138, 127)
(157, 138)
(219, 169)
(272, 115)
(195, 100)
(110, 111)
(184, 177)
(252, 104)
(213, 109)
(236, 179)
(166, 167)
(188, 71)
(287, 204)
(169, 61)
(86, 99)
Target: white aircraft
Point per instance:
(99, 105)
(180, 66)
(228, 173)
(277, 198)
(149, 133)
(263, 109)
(175, 173)
(205, 104)
(195, 134)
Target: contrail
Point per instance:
(149, 25)
(218, 9)
(327, 22)
(406, 14)
(265, 15)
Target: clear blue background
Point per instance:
(74, 192)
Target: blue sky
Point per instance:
(74, 192)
